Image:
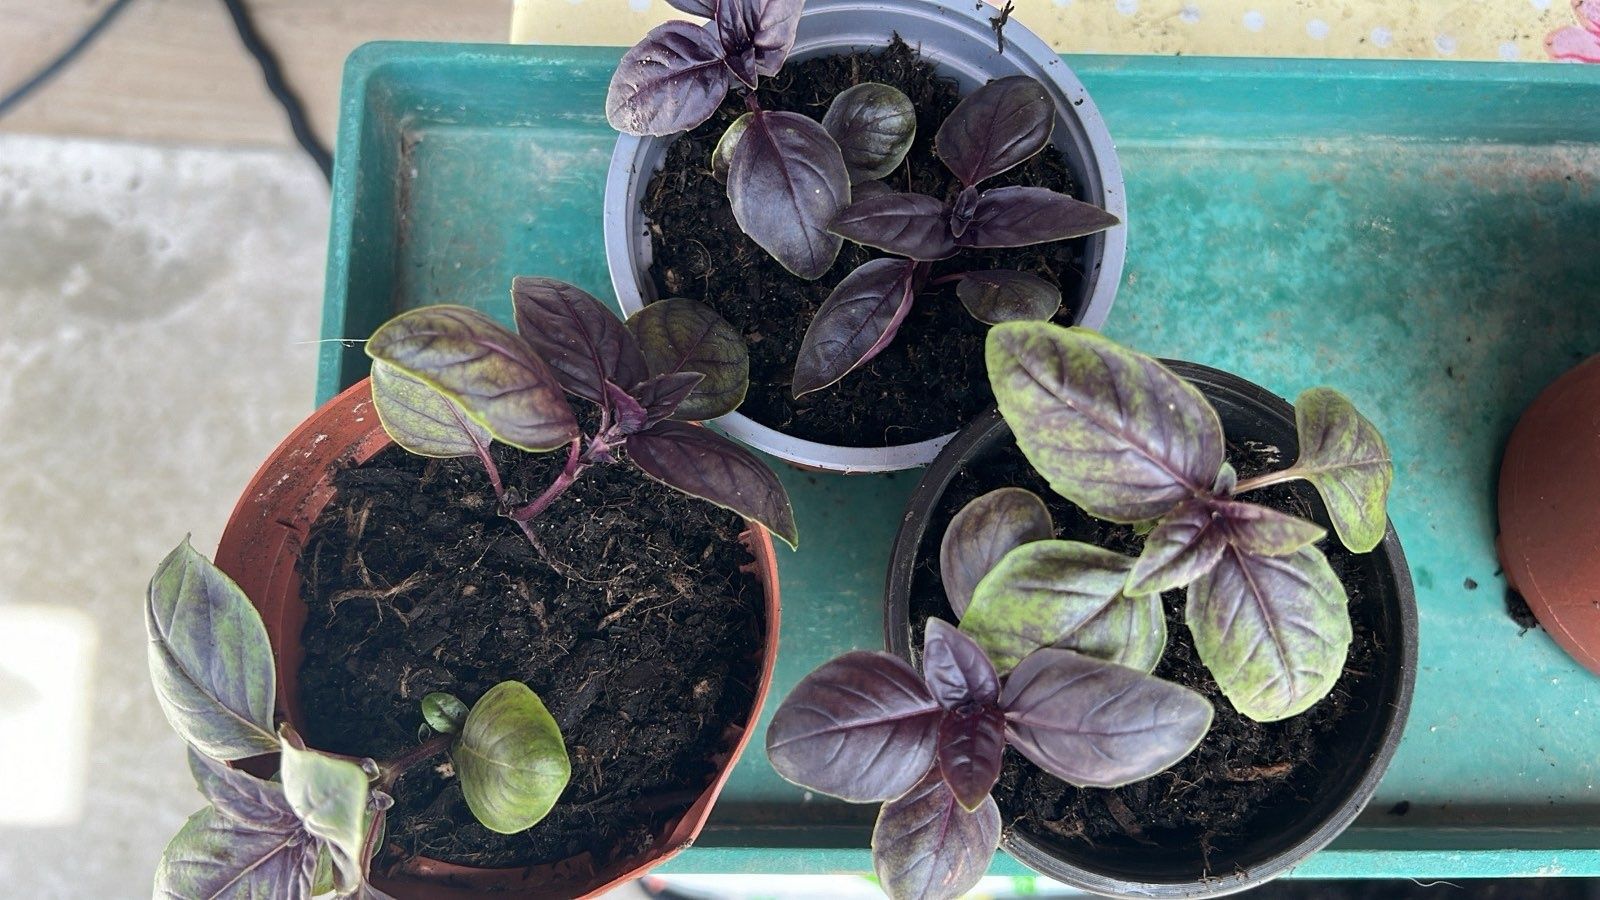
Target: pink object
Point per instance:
(1581, 42)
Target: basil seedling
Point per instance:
(316, 829)
(448, 381)
(867, 727)
(1127, 440)
(993, 129)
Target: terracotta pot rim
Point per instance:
(262, 540)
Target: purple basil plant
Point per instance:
(993, 129)
(448, 381)
(1081, 705)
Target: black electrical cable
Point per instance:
(272, 73)
(53, 68)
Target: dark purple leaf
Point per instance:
(1098, 724)
(761, 31)
(915, 226)
(862, 728)
(1020, 216)
(1110, 429)
(669, 82)
(628, 414)
(1263, 531)
(861, 190)
(927, 847)
(786, 183)
(1184, 545)
(874, 125)
(982, 533)
(722, 154)
(956, 668)
(971, 742)
(491, 373)
(704, 464)
(962, 211)
(855, 323)
(582, 341)
(1006, 296)
(679, 335)
(663, 394)
(241, 796)
(702, 8)
(995, 127)
(1273, 630)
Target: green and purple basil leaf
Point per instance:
(662, 395)
(996, 127)
(422, 420)
(1264, 531)
(680, 335)
(1273, 630)
(241, 796)
(862, 727)
(1346, 460)
(972, 732)
(786, 185)
(1097, 724)
(222, 858)
(629, 416)
(982, 533)
(1064, 594)
(926, 846)
(762, 31)
(444, 713)
(874, 125)
(330, 796)
(702, 8)
(957, 670)
(210, 660)
(915, 226)
(722, 154)
(510, 758)
(857, 321)
(1184, 545)
(669, 82)
(703, 464)
(1022, 216)
(486, 369)
(577, 336)
(1004, 295)
(1110, 429)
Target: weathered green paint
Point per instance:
(1424, 236)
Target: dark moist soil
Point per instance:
(634, 624)
(1240, 770)
(931, 380)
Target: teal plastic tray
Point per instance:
(1425, 236)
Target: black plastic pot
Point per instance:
(1283, 835)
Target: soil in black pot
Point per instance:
(632, 621)
(1243, 770)
(931, 380)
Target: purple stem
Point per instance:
(947, 279)
(569, 474)
(389, 772)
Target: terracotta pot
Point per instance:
(1549, 539)
(259, 549)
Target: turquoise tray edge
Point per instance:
(1426, 236)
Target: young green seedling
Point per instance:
(448, 381)
(1121, 436)
(867, 727)
(314, 830)
(993, 129)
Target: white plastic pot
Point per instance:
(959, 40)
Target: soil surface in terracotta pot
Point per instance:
(931, 380)
(1243, 771)
(632, 621)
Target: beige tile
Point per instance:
(156, 313)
